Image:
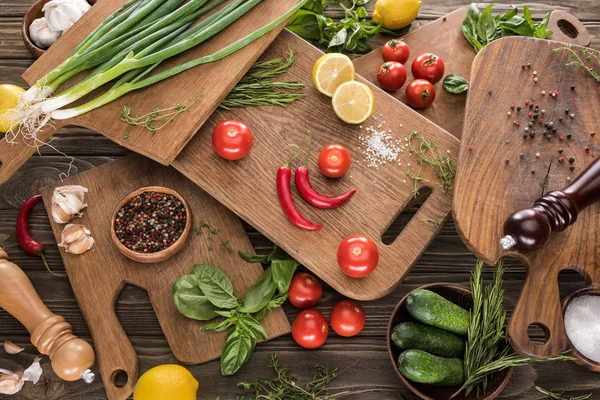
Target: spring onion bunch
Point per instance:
(126, 48)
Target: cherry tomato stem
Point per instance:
(315, 198)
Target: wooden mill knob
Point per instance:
(71, 357)
(531, 228)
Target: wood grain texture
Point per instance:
(488, 189)
(98, 276)
(164, 145)
(248, 186)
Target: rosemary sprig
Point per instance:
(257, 88)
(582, 60)
(157, 118)
(561, 395)
(212, 232)
(428, 153)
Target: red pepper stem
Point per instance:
(42, 255)
(298, 151)
(308, 150)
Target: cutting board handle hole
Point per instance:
(120, 378)
(405, 216)
(567, 28)
(538, 333)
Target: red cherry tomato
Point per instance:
(395, 50)
(347, 318)
(232, 140)
(305, 290)
(428, 66)
(334, 161)
(310, 329)
(420, 93)
(391, 76)
(357, 256)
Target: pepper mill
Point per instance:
(530, 229)
(71, 357)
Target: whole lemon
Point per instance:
(396, 14)
(166, 382)
(9, 98)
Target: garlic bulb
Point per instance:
(76, 239)
(41, 34)
(62, 14)
(67, 202)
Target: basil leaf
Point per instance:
(304, 24)
(469, 27)
(191, 301)
(339, 38)
(251, 327)
(236, 351)
(252, 258)
(517, 25)
(314, 6)
(278, 301)
(218, 326)
(226, 314)
(217, 287)
(486, 26)
(528, 18)
(259, 294)
(508, 15)
(283, 271)
(455, 84)
(541, 30)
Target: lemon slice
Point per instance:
(353, 102)
(330, 71)
(9, 98)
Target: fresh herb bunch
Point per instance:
(562, 395)
(257, 87)
(480, 28)
(583, 57)
(284, 386)
(208, 293)
(350, 34)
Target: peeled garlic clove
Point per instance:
(10, 382)
(41, 34)
(80, 246)
(72, 233)
(12, 348)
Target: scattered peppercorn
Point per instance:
(506, 162)
(528, 65)
(561, 137)
(560, 119)
(512, 107)
(573, 87)
(532, 171)
(471, 148)
(571, 160)
(521, 155)
(560, 151)
(523, 66)
(587, 149)
(569, 136)
(524, 136)
(567, 111)
(592, 134)
(572, 169)
(572, 115)
(518, 108)
(537, 155)
(561, 160)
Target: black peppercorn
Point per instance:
(524, 136)
(560, 151)
(572, 169)
(569, 136)
(571, 160)
(567, 111)
(573, 87)
(518, 108)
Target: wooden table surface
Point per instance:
(364, 367)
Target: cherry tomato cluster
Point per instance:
(427, 69)
(310, 328)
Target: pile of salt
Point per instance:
(582, 323)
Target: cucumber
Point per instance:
(432, 309)
(422, 367)
(414, 335)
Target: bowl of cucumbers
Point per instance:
(426, 342)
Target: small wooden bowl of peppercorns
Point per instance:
(151, 224)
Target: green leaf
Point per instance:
(508, 15)
(455, 84)
(528, 18)
(517, 26)
(305, 24)
(217, 287)
(469, 27)
(236, 351)
(486, 26)
(277, 301)
(252, 258)
(541, 30)
(218, 326)
(191, 301)
(361, 12)
(259, 294)
(314, 6)
(283, 271)
(251, 327)
(339, 39)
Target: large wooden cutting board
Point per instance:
(488, 189)
(444, 38)
(213, 80)
(98, 276)
(247, 187)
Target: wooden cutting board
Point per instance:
(444, 38)
(488, 189)
(213, 80)
(247, 187)
(98, 275)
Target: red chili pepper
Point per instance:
(315, 198)
(284, 180)
(28, 243)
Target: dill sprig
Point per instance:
(257, 88)
(284, 386)
(428, 153)
(158, 118)
(561, 395)
(583, 60)
(212, 232)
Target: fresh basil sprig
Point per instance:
(209, 293)
(481, 28)
(455, 84)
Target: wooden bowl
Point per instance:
(580, 358)
(461, 296)
(35, 12)
(162, 255)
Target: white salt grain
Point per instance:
(582, 323)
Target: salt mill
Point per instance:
(529, 229)
(71, 356)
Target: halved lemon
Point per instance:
(353, 102)
(330, 71)
(9, 98)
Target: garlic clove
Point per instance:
(80, 246)
(10, 382)
(67, 202)
(72, 233)
(59, 215)
(12, 348)
(41, 34)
